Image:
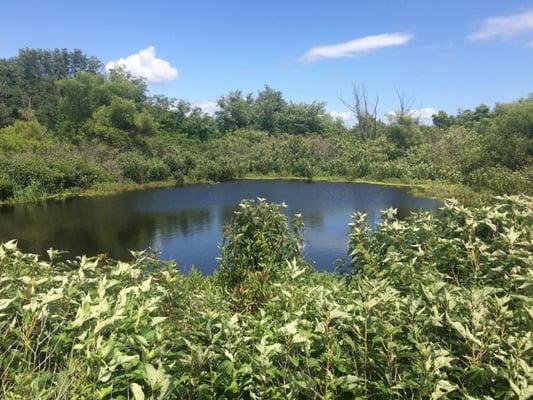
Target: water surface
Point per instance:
(185, 223)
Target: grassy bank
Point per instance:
(104, 189)
(438, 190)
(430, 189)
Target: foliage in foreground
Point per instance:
(436, 307)
(257, 244)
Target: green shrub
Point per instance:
(24, 129)
(144, 123)
(34, 176)
(466, 279)
(304, 168)
(220, 170)
(121, 113)
(26, 170)
(256, 247)
(439, 308)
(179, 164)
(79, 173)
(30, 193)
(6, 186)
(501, 180)
(21, 135)
(142, 170)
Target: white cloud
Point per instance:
(209, 107)
(503, 26)
(146, 65)
(346, 116)
(356, 46)
(424, 115)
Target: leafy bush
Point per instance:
(221, 170)
(404, 132)
(25, 177)
(255, 250)
(500, 180)
(79, 173)
(121, 113)
(30, 193)
(144, 123)
(141, 170)
(21, 135)
(180, 163)
(26, 170)
(466, 279)
(6, 186)
(258, 242)
(438, 308)
(24, 129)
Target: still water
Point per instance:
(185, 223)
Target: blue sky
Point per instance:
(444, 54)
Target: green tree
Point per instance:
(10, 102)
(300, 118)
(404, 132)
(198, 124)
(443, 120)
(169, 114)
(510, 137)
(78, 97)
(39, 69)
(144, 123)
(268, 109)
(121, 83)
(121, 113)
(235, 111)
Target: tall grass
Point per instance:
(29, 194)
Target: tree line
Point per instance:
(66, 124)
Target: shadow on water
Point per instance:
(185, 223)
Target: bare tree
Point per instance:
(364, 111)
(406, 108)
(405, 102)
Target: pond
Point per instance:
(185, 223)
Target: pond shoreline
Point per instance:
(429, 189)
(186, 223)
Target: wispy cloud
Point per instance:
(146, 65)
(503, 27)
(356, 46)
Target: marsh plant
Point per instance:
(437, 306)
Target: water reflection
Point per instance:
(186, 223)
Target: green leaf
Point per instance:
(233, 387)
(137, 391)
(4, 303)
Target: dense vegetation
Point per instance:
(66, 126)
(434, 307)
(437, 306)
